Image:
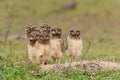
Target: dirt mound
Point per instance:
(89, 66)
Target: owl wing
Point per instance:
(66, 43)
(62, 45)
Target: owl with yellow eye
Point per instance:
(56, 43)
(43, 48)
(33, 37)
(74, 44)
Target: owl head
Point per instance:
(44, 38)
(74, 33)
(56, 32)
(34, 36)
(29, 29)
(45, 28)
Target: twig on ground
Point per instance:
(86, 51)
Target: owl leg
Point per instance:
(44, 62)
(34, 59)
(69, 55)
(69, 59)
(54, 59)
(76, 58)
(72, 59)
(30, 57)
(59, 56)
(58, 61)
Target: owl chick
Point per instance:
(74, 44)
(56, 43)
(29, 29)
(33, 37)
(43, 48)
(45, 28)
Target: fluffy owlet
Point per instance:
(33, 37)
(29, 29)
(43, 48)
(56, 43)
(74, 44)
(45, 28)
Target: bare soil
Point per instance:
(91, 66)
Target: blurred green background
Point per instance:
(98, 20)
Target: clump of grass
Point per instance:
(14, 70)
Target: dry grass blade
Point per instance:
(85, 52)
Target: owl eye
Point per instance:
(41, 56)
(53, 31)
(31, 37)
(59, 31)
(78, 32)
(48, 27)
(72, 32)
(44, 31)
(37, 36)
(47, 37)
(42, 28)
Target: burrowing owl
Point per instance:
(43, 48)
(45, 28)
(74, 44)
(56, 43)
(33, 37)
(29, 29)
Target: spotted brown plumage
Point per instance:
(45, 28)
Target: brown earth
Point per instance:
(92, 66)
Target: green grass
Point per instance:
(97, 19)
(22, 71)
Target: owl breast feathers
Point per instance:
(56, 49)
(74, 47)
(43, 52)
